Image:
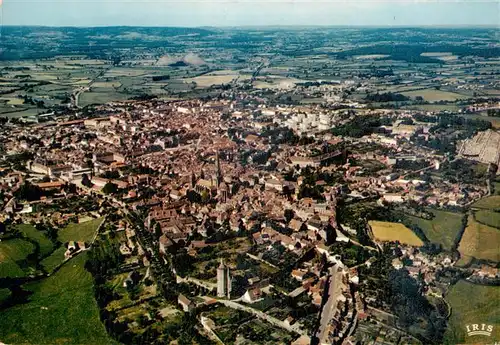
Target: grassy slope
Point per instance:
(472, 303)
(54, 259)
(29, 231)
(442, 229)
(488, 217)
(4, 294)
(72, 316)
(11, 251)
(489, 203)
(480, 241)
(80, 232)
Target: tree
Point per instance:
(193, 196)
(157, 230)
(86, 181)
(52, 234)
(204, 196)
(183, 263)
(142, 320)
(110, 188)
(387, 97)
(331, 234)
(28, 192)
(111, 174)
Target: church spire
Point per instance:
(219, 173)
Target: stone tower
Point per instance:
(223, 281)
(219, 172)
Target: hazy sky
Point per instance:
(249, 12)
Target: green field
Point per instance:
(9, 112)
(80, 231)
(480, 241)
(442, 229)
(488, 217)
(54, 259)
(489, 203)
(97, 97)
(106, 84)
(470, 304)
(38, 236)
(433, 95)
(495, 121)
(62, 310)
(12, 253)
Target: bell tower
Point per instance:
(219, 172)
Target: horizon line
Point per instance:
(380, 26)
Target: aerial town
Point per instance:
(238, 213)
